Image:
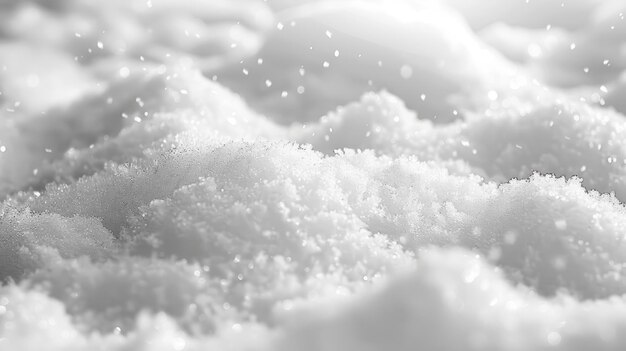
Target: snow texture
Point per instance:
(423, 178)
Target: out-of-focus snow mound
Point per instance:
(422, 53)
(375, 176)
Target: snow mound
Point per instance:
(564, 138)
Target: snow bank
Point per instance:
(157, 30)
(565, 138)
(425, 55)
(118, 124)
(248, 230)
(151, 208)
(588, 51)
(453, 301)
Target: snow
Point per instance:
(210, 183)
(445, 60)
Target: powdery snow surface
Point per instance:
(295, 175)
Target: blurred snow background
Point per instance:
(336, 175)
